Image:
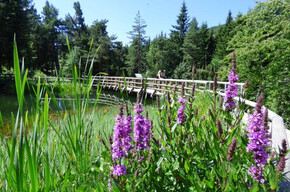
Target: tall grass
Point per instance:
(54, 154)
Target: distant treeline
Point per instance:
(260, 38)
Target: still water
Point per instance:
(9, 104)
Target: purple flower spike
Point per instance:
(232, 90)
(138, 108)
(119, 170)
(259, 141)
(181, 117)
(181, 100)
(121, 143)
(142, 128)
(110, 185)
(257, 173)
(126, 136)
(117, 147)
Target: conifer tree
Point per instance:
(179, 31)
(16, 17)
(191, 51)
(158, 57)
(46, 40)
(136, 56)
(224, 35)
(177, 36)
(77, 29)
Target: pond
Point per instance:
(9, 104)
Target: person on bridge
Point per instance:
(163, 75)
(158, 76)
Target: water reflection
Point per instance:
(9, 103)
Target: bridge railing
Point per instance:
(160, 86)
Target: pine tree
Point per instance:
(179, 31)
(224, 35)
(46, 41)
(192, 52)
(177, 36)
(136, 57)
(77, 29)
(16, 18)
(99, 35)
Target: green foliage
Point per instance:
(260, 38)
(46, 40)
(223, 36)
(17, 17)
(261, 43)
(198, 50)
(38, 73)
(158, 56)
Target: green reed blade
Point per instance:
(47, 173)
(31, 166)
(17, 74)
(1, 120)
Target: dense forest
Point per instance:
(191, 50)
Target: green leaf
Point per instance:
(176, 165)
(174, 127)
(186, 167)
(255, 187)
(273, 179)
(1, 120)
(67, 42)
(47, 173)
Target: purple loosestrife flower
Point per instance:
(121, 141)
(110, 185)
(232, 90)
(126, 133)
(122, 138)
(257, 173)
(142, 128)
(180, 113)
(283, 150)
(117, 146)
(220, 129)
(119, 170)
(214, 84)
(147, 131)
(281, 165)
(259, 141)
(232, 149)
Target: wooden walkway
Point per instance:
(153, 86)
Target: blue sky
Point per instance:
(159, 15)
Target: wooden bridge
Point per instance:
(153, 86)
